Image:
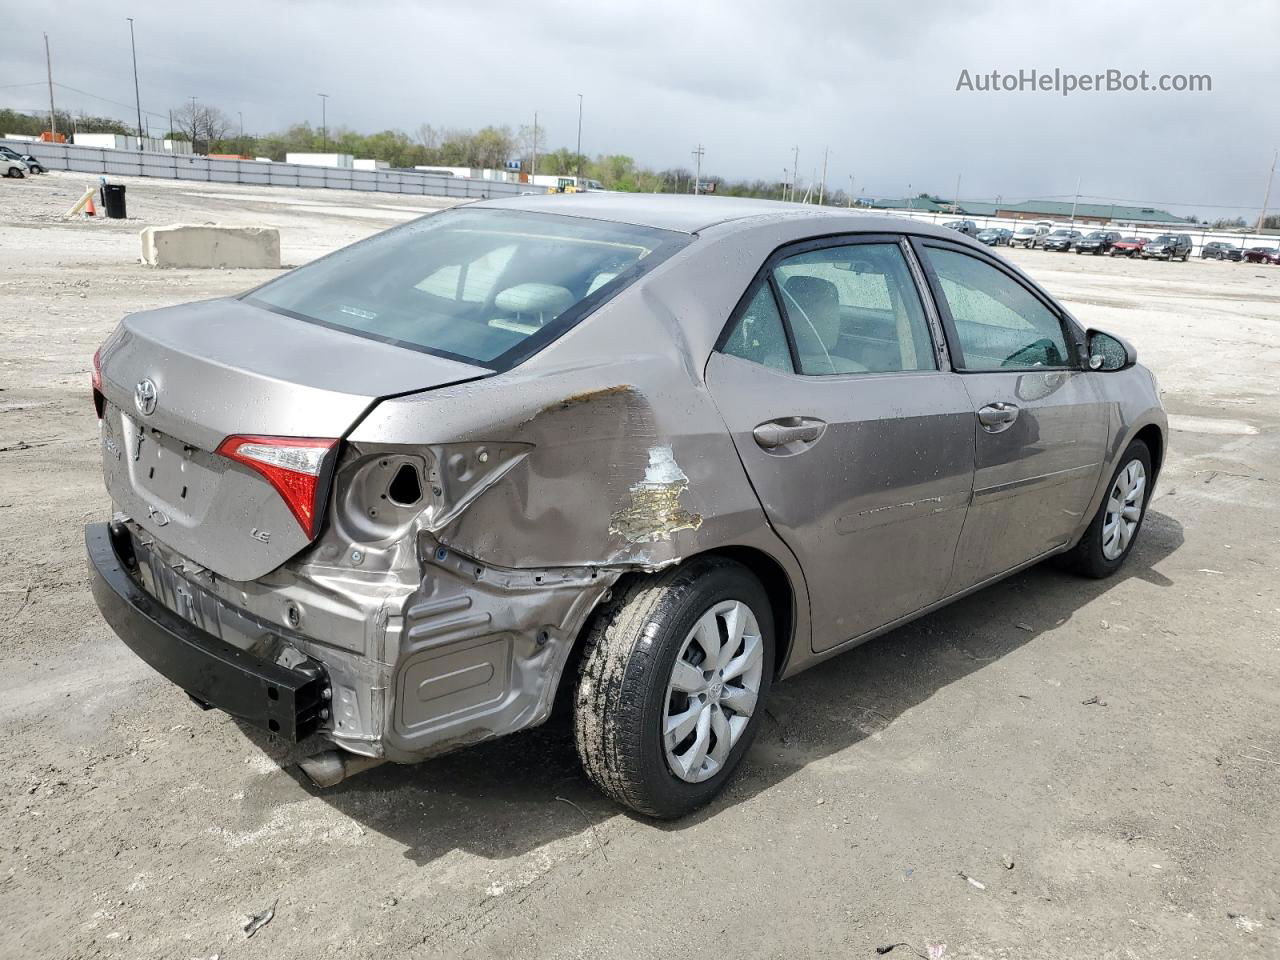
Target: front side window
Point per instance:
(854, 309)
(999, 323)
(471, 284)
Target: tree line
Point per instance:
(211, 130)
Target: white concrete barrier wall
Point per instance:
(124, 163)
(132, 163)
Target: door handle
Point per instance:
(997, 416)
(788, 430)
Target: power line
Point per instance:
(126, 106)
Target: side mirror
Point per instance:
(1107, 352)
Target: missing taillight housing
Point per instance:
(292, 465)
(404, 489)
(99, 401)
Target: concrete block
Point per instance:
(209, 245)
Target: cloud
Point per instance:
(750, 80)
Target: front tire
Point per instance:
(673, 682)
(1114, 530)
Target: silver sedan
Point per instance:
(633, 457)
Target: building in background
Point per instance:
(120, 141)
(1099, 214)
(341, 161)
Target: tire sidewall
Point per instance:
(670, 795)
(1137, 450)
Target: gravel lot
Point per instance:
(1141, 825)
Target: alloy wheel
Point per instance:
(712, 693)
(1124, 509)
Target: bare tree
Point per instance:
(527, 145)
(201, 123)
(428, 136)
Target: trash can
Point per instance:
(113, 200)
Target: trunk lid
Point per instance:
(222, 368)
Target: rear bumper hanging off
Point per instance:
(286, 701)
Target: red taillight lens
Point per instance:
(291, 464)
(98, 399)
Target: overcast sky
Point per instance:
(876, 83)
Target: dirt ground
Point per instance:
(1142, 824)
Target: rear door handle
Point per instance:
(786, 431)
(997, 416)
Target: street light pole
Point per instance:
(1266, 194)
(137, 97)
(579, 176)
(324, 121)
(48, 65)
(697, 177)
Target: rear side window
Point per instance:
(854, 309)
(999, 323)
(758, 335)
(485, 286)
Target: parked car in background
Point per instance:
(1221, 251)
(967, 227)
(1168, 246)
(1061, 240)
(1098, 242)
(12, 167)
(1028, 236)
(1262, 255)
(1128, 246)
(32, 164)
(994, 236)
(374, 503)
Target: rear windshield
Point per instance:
(483, 286)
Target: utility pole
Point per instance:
(1074, 201)
(955, 201)
(697, 177)
(169, 136)
(822, 190)
(1266, 196)
(195, 125)
(795, 171)
(579, 176)
(48, 65)
(324, 121)
(851, 190)
(533, 164)
(137, 97)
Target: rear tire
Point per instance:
(1114, 530)
(632, 690)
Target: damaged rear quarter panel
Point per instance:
(626, 466)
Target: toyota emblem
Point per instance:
(144, 397)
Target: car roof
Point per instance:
(686, 213)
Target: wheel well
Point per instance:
(1154, 439)
(777, 587)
